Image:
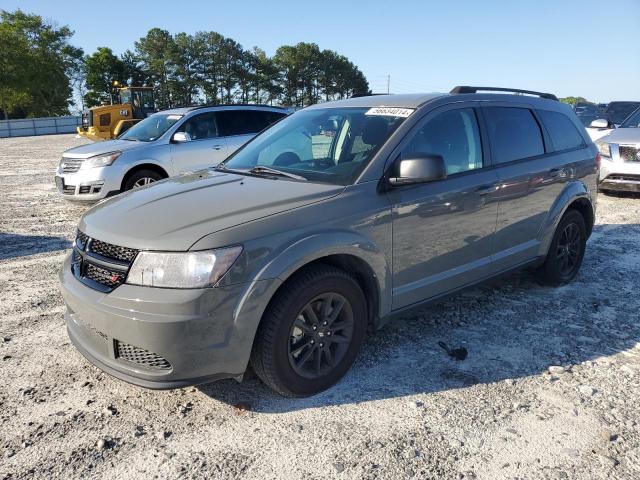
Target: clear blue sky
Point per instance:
(568, 47)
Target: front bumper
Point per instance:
(88, 185)
(616, 174)
(203, 334)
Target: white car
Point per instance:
(620, 153)
(612, 117)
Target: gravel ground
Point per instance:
(550, 388)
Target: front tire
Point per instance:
(141, 178)
(311, 332)
(566, 250)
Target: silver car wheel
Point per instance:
(143, 181)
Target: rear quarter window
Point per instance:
(561, 129)
(514, 133)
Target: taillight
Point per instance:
(598, 160)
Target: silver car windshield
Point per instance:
(150, 128)
(330, 145)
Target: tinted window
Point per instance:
(618, 111)
(265, 119)
(563, 132)
(633, 121)
(514, 133)
(454, 135)
(238, 122)
(200, 127)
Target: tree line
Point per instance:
(41, 70)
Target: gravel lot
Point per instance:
(550, 388)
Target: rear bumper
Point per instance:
(203, 334)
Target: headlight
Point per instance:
(101, 160)
(604, 149)
(182, 270)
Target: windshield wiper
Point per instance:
(257, 170)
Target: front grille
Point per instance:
(108, 250)
(629, 153)
(100, 265)
(70, 165)
(140, 356)
(69, 190)
(109, 278)
(81, 240)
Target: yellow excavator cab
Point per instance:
(106, 122)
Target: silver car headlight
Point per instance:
(100, 160)
(182, 269)
(604, 149)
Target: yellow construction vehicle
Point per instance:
(108, 121)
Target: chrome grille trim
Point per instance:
(70, 165)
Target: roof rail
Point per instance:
(358, 95)
(209, 105)
(467, 89)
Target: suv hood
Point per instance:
(623, 136)
(175, 213)
(98, 148)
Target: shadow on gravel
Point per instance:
(14, 245)
(512, 328)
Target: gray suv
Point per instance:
(328, 222)
(168, 143)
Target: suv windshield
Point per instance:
(150, 128)
(330, 145)
(633, 121)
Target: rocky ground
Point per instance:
(550, 387)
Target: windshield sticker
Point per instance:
(174, 117)
(390, 111)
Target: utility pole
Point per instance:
(388, 83)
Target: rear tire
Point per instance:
(311, 332)
(566, 250)
(141, 178)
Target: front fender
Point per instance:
(336, 242)
(573, 191)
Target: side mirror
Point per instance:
(181, 137)
(600, 123)
(419, 168)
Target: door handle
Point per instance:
(487, 189)
(217, 147)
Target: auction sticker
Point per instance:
(390, 111)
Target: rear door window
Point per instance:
(561, 129)
(514, 133)
(264, 119)
(239, 122)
